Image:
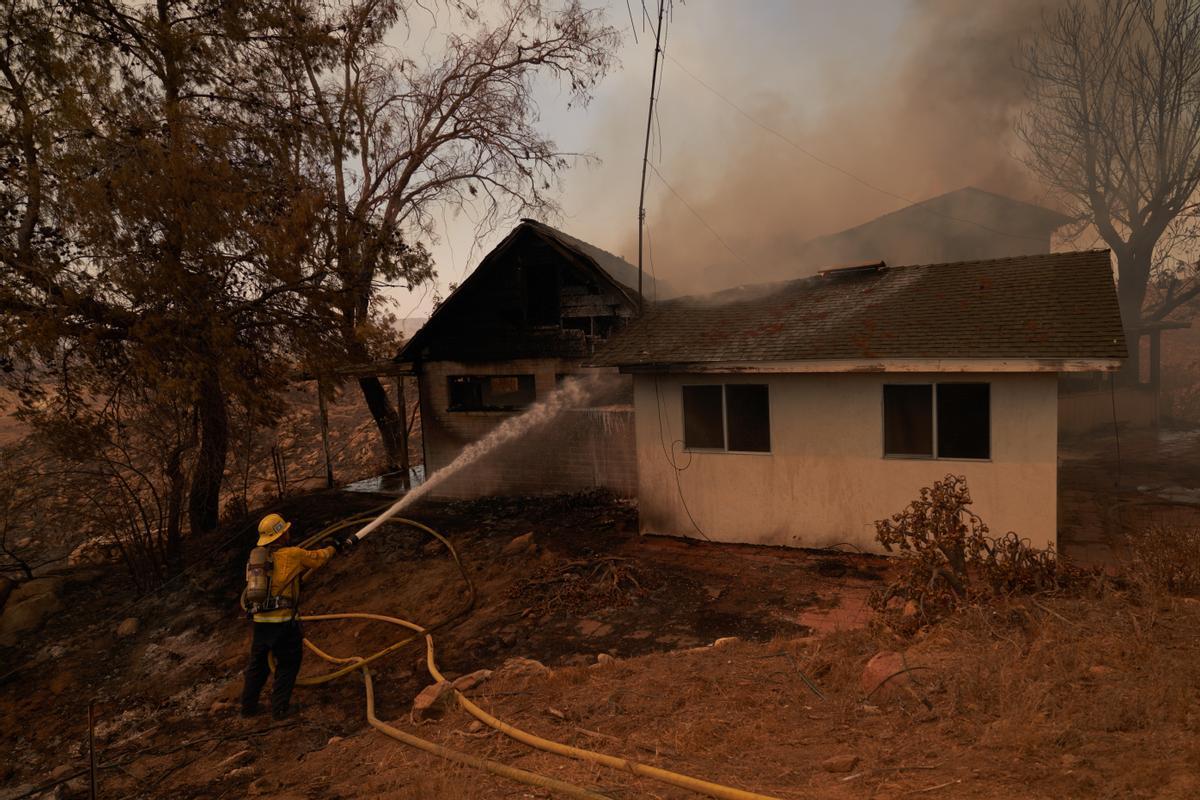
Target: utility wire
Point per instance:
(696, 214)
(827, 163)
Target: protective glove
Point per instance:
(345, 543)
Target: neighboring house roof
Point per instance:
(966, 223)
(612, 270)
(1054, 306)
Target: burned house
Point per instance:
(802, 412)
(527, 317)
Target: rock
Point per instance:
(431, 701)
(594, 628)
(220, 707)
(879, 680)
(239, 759)
(845, 763)
(26, 616)
(472, 680)
(725, 641)
(474, 726)
(520, 544)
(604, 658)
(57, 651)
(36, 588)
(128, 627)
(518, 667)
(6, 588)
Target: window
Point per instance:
(961, 411)
(908, 420)
(703, 418)
(964, 420)
(734, 417)
(490, 392)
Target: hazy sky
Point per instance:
(914, 96)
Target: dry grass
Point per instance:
(1165, 557)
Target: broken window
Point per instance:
(908, 420)
(961, 411)
(490, 392)
(964, 420)
(541, 293)
(734, 417)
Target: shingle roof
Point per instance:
(1051, 306)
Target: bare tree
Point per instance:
(396, 137)
(1114, 126)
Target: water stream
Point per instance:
(572, 393)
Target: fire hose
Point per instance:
(347, 664)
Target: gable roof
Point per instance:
(965, 223)
(617, 273)
(1053, 306)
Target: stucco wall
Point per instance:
(581, 449)
(826, 480)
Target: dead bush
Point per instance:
(1166, 557)
(583, 586)
(948, 559)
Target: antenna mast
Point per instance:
(646, 150)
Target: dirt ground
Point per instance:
(1096, 695)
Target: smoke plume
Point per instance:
(938, 119)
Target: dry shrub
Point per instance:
(1166, 557)
(584, 586)
(948, 560)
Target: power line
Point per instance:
(696, 214)
(827, 163)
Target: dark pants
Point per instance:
(286, 642)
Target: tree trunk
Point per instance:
(1133, 270)
(175, 511)
(204, 504)
(387, 420)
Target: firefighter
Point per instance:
(276, 612)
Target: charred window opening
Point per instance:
(581, 324)
(951, 419)
(733, 417)
(490, 392)
(542, 301)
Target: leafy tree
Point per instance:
(396, 137)
(154, 242)
(1114, 126)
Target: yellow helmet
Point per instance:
(271, 528)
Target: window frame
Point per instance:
(933, 410)
(725, 422)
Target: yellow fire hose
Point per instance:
(352, 663)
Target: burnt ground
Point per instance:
(1092, 694)
(539, 597)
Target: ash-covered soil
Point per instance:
(558, 579)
